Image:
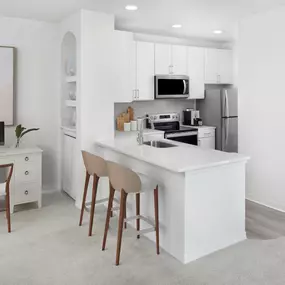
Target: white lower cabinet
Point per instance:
(207, 137)
(68, 165)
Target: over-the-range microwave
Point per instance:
(171, 86)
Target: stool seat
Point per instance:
(2, 189)
(147, 183)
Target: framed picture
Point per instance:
(7, 85)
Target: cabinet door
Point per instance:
(225, 69)
(68, 164)
(207, 143)
(145, 71)
(124, 66)
(163, 59)
(196, 72)
(211, 65)
(179, 60)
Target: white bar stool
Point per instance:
(126, 181)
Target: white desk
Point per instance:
(26, 182)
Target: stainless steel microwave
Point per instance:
(171, 86)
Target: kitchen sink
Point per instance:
(159, 144)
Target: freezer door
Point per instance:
(229, 102)
(230, 134)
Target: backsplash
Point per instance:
(156, 106)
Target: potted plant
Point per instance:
(21, 131)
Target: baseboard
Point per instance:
(264, 205)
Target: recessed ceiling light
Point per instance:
(176, 26)
(217, 32)
(131, 7)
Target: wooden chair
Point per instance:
(126, 181)
(5, 191)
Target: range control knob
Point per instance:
(151, 117)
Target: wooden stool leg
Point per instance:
(93, 202)
(84, 197)
(156, 218)
(138, 211)
(109, 210)
(125, 216)
(8, 209)
(121, 222)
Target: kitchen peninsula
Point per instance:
(201, 193)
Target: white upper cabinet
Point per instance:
(196, 72)
(124, 66)
(144, 71)
(218, 66)
(170, 59)
(226, 66)
(163, 59)
(179, 60)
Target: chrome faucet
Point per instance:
(141, 127)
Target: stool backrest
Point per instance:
(123, 178)
(94, 164)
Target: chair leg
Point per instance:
(109, 210)
(84, 197)
(125, 216)
(8, 209)
(156, 218)
(93, 202)
(120, 226)
(138, 212)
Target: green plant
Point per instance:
(21, 131)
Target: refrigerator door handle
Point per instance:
(227, 131)
(227, 104)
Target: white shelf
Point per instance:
(70, 103)
(70, 79)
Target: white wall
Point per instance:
(37, 87)
(261, 61)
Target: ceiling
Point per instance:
(197, 17)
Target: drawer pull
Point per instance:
(26, 158)
(26, 192)
(26, 172)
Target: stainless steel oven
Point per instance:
(171, 86)
(170, 124)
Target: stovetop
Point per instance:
(177, 129)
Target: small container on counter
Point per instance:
(127, 127)
(134, 125)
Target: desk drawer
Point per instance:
(27, 158)
(27, 192)
(27, 173)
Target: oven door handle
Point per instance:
(177, 135)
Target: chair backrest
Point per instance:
(94, 164)
(9, 173)
(123, 178)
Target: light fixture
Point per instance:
(131, 7)
(176, 26)
(217, 32)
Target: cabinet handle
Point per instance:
(219, 78)
(138, 94)
(26, 192)
(27, 158)
(26, 172)
(134, 94)
(199, 142)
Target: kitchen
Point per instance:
(160, 134)
(92, 83)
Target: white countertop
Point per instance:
(145, 131)
(182, 158)
(199, 127)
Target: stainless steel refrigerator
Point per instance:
(220, 109)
